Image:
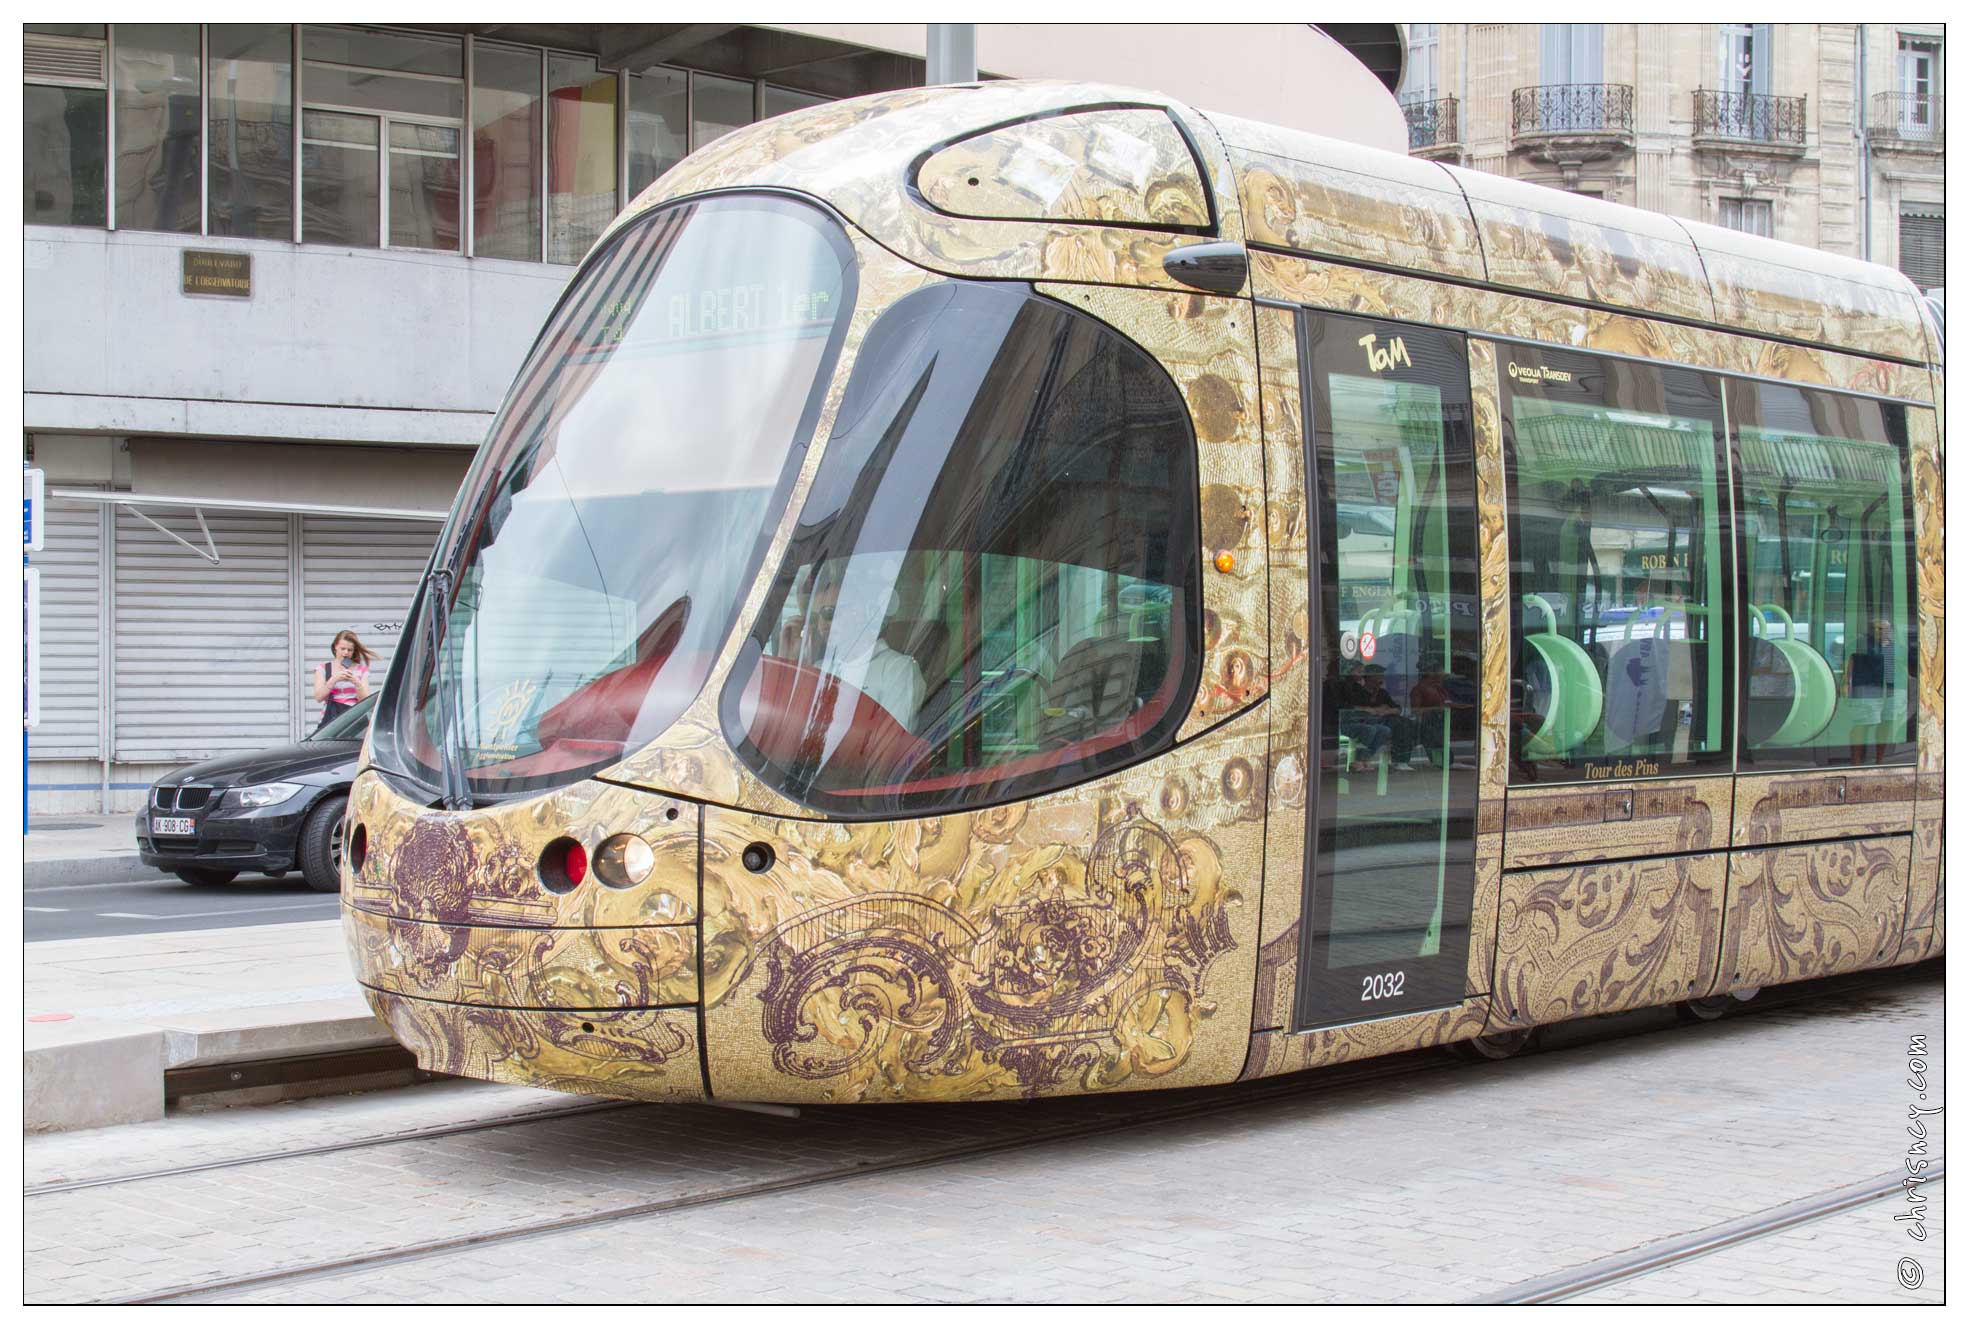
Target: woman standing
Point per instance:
(344, 679)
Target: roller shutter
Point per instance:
(1921, 248)
(359, 574)
(203, 662)
(71, 632)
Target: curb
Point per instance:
(89, 1072)
(90, 871)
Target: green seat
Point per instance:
(1578, 694)
(1814, 690)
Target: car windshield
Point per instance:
(348, 725)
(625, 496)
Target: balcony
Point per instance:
(1907, 120)
(1433, 130)
(1573, 122)
(1754, 120)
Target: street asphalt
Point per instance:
(118, 909)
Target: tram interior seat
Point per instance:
(1096, 684)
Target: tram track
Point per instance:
(1658, 1255)
(1203, 1103)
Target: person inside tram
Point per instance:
(841, 635)
(1867, 672)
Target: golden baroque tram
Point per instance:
(1030, 589)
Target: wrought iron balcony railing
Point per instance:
(1754, 117)
(1431, 124)
(1573, 108)
(1912, 117)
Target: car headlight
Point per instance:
(264, 795)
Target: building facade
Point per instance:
(1828, 135)
(277, 279)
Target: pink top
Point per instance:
(345, 692)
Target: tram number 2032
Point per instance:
(1374, 987)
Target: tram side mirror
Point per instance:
(1219, 268)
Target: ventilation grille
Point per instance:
(1921, 249)
(73, 61)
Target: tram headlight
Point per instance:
(624, 860)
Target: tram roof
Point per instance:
(1086, 182)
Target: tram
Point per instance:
(1027, 589)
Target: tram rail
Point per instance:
(1203, 1103)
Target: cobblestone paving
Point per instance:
(1850, 1257)
(1431, 1186)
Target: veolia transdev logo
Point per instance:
(1535, 373)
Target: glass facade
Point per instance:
(581, 160)
(157, 140)
(1620, 567)
(250, 155)
(507, 84)
(213, 124)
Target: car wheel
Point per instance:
(321, 845)
(205, 876)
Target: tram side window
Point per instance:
(1620, 568)
(994, 586)
(1831, 645)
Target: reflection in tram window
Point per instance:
(993, 587)
(1828, 556)
(1619, 568)
(627, 492)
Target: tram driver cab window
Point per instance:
(994, 586)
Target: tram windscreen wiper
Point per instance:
(445, 702)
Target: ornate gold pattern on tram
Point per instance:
(1494, 696)
(1605, 937)
(1822, 804)
(1275, 1052)
(1125, 166)
(1575, 248)
(1839, 302)
(1416, 299)
(1095, 939)
(1353, 204)
(1923, 935)
(857, 154)
(1804, 911)
(1581, 823)
(570, 969)
(649, 1055)
(1206, 343)
(1290, 682)
(481, 867)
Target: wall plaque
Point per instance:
(217, 272)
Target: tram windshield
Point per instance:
(626, 495)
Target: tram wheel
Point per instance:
(1707, 1008)
(1493, 1047)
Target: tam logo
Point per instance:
(1383, 358)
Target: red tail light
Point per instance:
(575, 865)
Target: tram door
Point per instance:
(1395, 669)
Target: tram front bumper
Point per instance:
(482, 973)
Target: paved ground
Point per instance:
(1438, 1184)
(121, 909)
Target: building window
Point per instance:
(1919, 62)
(1571, 53)
(157, 137)
(1744, 58)
(250, 152)
(1620, 568)
(380, 133)
(659, 124)
(718, 106)
(580, 155)
(66, 118)
(993, 588)
(778, 101)
(1752, 216)
(507, 85)
(1419, 79)
(1921, 246)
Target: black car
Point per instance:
(271, 811)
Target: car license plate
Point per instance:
(173, 826)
